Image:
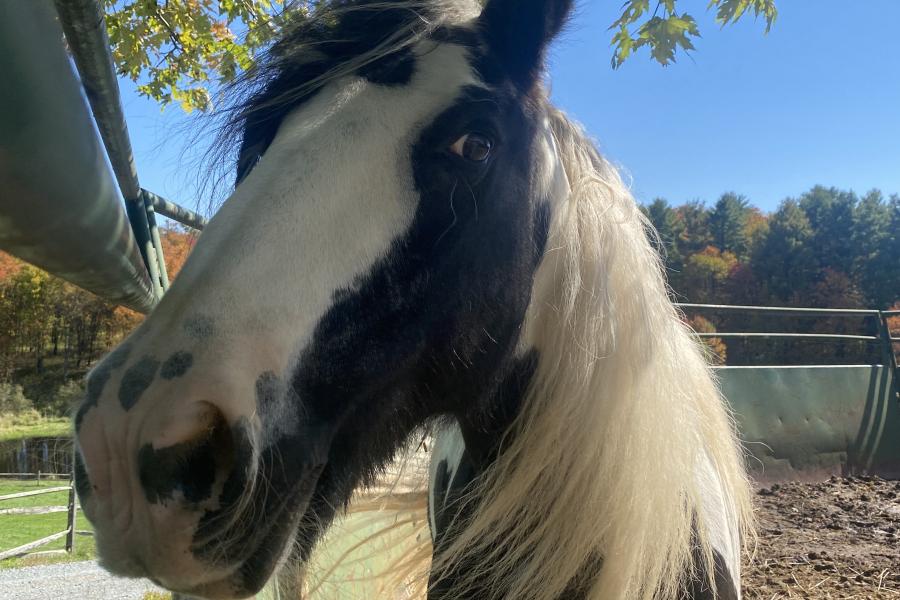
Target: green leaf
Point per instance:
(670, 33)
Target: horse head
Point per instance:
(417, 234)
(371, 270)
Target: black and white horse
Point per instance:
(417, 237)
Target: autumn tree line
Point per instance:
(828, 248)
(52, 331)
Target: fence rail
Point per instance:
(788, 310)
(71, 509)
(880, 317)
(52, 490)
(39, 475)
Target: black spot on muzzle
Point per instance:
(136, 380)
(176, 365)
(97, 380)
(199, 327)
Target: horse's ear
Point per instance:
(519, 31)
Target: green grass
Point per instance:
(15, 486)
(16, 530)
(14, 427)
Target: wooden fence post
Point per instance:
(70, 536)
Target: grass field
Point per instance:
(15, 427)
(16, 530)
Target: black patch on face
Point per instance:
(237, 481)
(176, 365)
(136, 380)
(199, 327)
(98, 379)
(286, 471)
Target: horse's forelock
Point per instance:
(334, 41)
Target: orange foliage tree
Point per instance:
(43, 316)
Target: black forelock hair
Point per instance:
(311, 49)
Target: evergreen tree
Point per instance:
(871, 256)
(830, 213)
(668, 228)
(694, 233)
(727, 224)
(785, 260)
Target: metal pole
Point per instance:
(890, 359)
(175, 212)
(70, 536)
(85, 26)
(810, 336)
(59, 206)
(157, 243)
(784, 310)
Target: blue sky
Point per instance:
(815, 101)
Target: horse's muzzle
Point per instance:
(203, 505)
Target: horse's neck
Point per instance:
(462, 450)
(468, 445)
(483, 426)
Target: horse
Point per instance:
(417, 238)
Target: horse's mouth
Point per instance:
(254, 558)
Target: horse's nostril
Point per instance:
(187, 470)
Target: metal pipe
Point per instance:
(157, 243)
(784, 310)
(175, 212)
(812, 336)
(59, 205)
(84, 24)
(890, 357)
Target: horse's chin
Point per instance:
(236, 565)
(272, 550)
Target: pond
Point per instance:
(36, 455)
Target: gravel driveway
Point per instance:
(70, 581)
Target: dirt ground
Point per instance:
(830, 540)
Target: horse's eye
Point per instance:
(473, 146)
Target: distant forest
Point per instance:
(827, 248)
(51, 331)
